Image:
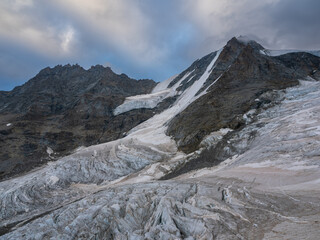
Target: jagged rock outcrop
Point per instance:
(63, 108)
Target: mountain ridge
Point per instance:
(61, 109)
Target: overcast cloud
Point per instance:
(142, 38)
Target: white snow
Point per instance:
(124, 161)
(53, 180)
(163, 85)
(153, 130)
(206, 90)
(191, 78)
(143, 101)
(115, 207)
(189, 95)
(248, 116)
(274, 53)
(9, 124)
(159, 93)
(214, 137)
(49, 151)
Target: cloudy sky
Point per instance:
(142, 38)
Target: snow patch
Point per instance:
(160, 92)
(163, 85)
(214, 137)
(49, 151)
(189, 95)
(78, 149)
(150, 100)
(153, 130)
(226, 195)
(9, 124)
(247, 117)
(53, 180)
(206, 90)
(274, 53)
(115, 207)
(142, 101)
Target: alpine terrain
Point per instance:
(227, 149)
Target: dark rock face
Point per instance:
(61, 88)
(244, 75)
(63, 108)
(196, 69)
(303, 64)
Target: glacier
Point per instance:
(76, 201)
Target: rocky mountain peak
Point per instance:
(59, 69)
(239, 76)
(100, 68)
(235, 43)
(63, 108)
(241, 42)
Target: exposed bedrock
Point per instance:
(243, 77)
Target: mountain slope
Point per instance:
(265, 180)
(242, 76)
(62, 109)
